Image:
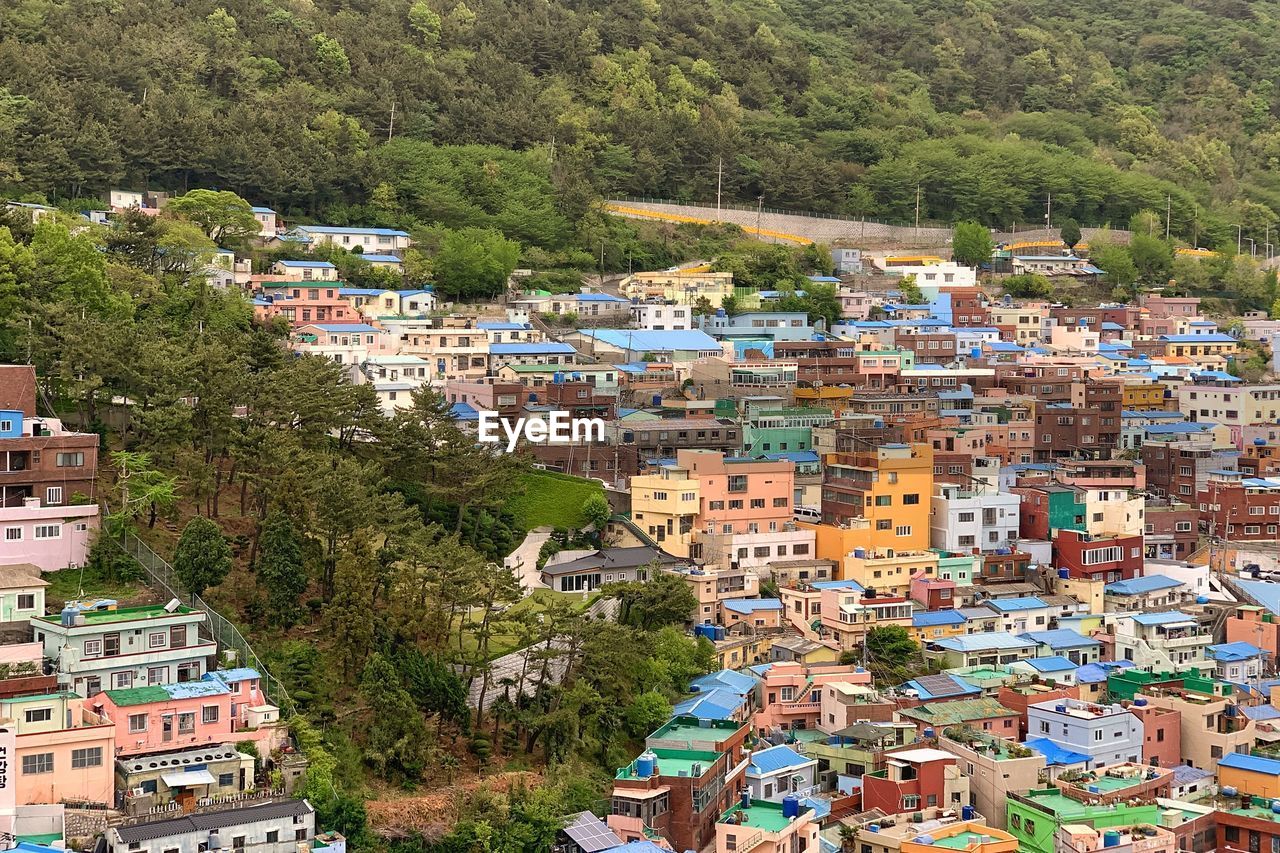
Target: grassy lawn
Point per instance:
(66, 584)
(551, 499)
(502, 643)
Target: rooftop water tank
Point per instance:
(1111, 838)
(1061, 709)
(1140, 701)
(1228, 791)
(745, 799)
(1064, 572)
(1202, 599)
(928, 732)
(873, 827)
(790, 806)
(645, 764)
(924, 839)
(967, 812)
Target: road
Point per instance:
(524, 559)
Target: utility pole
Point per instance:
(719, 183)
(917, 210)
(391, 127)
(1239, 245)
(759, 211)
(1048, 211)
(1168, 210)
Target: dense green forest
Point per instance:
(988, 108)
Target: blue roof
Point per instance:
(382, 259)
(547, 348)
(1010, 605)
(1112, 327)
(195, 689)
(1171, 617)
(1237, 651)
(1096, 673)
(820, 805)
(1053, 663)
(710, 705)
(982, 642)
(463, 412)
(1217, 375)
(725, 679)
(940, 690)
(599, 297)
(331, 229)
(1185, 775)
(324, 265)
(934, 618)
(1173, 416)
(231, 676)
(1055, 755)
(775, 758)
(359, 291)
(1141, 586)
(501, 327)
(1003, 346)
(1261, 713)
(637, 847)
(751, 605)
(346, 327)
(1199, 339)
(843, 584)
(641, 340)
(262, 210)
(1252, 763)
(1181, 426)
(794, 456)
(1060, 638)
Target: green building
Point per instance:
(1066, 508)
(1128, 683)
(852, 751)
(1034, 817)
(958, 567)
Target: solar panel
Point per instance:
(940, 685)
(591, 834)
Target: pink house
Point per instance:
(222, 707)
(792, 693)
(61, 749)
(51, 537)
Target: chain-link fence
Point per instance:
(221, 630)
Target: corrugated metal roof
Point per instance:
(774, 759)
(1252, 763)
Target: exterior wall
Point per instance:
(1074, 552)
(1207, 732)
(53, 538)
(893, 795)
(1161, 735)
(1114, 736)
(991, 779)
(40, 459)
(289, 830)
(67, 757)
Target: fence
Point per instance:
(227, 635)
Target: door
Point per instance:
(166, 727)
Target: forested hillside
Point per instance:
(845, 106)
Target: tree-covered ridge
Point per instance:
(846, 106)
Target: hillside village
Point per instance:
(964, 568)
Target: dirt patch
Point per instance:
(434, 814)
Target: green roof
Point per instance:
(959, 711)
(37, 697)
(761, 815)
(959, 841)
(672, 761)
(122, 614)
(689, 730)
(1068, 810)
(138, 696)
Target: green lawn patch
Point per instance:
(551, 499)
(66, 585)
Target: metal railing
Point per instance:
(222, 630)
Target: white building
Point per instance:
(780, 771)
(380, 241)
(274, 827)
(945, 274)
(268, 222)
(98, 646)
(1161, 641)
(305, 270)
(1022, 615)
(661, 316)
(1108, 734)
(967, 517)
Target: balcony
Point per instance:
(1184, 641)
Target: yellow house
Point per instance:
(665, 505)
(1142, 397)
(1205, 350)
(1249, 774)
(931, 625)
(682, 287)
(889, 572)
(889, 486)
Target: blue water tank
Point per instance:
(720, 312)
(533, 397)
(1094, 789)
(1228, 791)
(1260, 442)
(1140, 701)
(657, 399)
(1275, 806)
(873, 827)
(975, 352)
(1061, 709)
(69, 615)
(646, 764)
(745, 799)
(1111, 838)
(928, 732)
(967, 812)
(1064, 572)
(790, 806)
(721, 632)
(1202, 599)
(558, 377)
(924, 839)
(860, 553)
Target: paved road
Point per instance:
(524, 559)
(799, 227)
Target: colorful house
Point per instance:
(914, 779)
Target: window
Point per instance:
(209, 714)
(13, 534)
(226, 780)
(187, 723)
(965, 517)
(69, 460)
(757, 503)
(1110, 554)
(88, 757)
(6, 426)
(122, 680)
(41, 762)
(158, 675)
(39, 715)
(779, 503)
(156, 640)
(738, 483)
(903, 530)
(715, 505)
(50, 531)
(884, 500)
(911, 500)
(92, 648)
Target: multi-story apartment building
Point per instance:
(969, 516)
(98, 646)
(63, 749)
(1167, 639)
(372, 240)
(1237, 507)
(1107, 734)
(916, 779)
(889, 486)
(1233, 404)
(1107, 557)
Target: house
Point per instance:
(766, 827)
(914, 779)
(182, 776)
(679, 793)
(191, 713)
(987, 649)
(1163, 640)
(627, 345)
(268, 222)
(714, 704)
(1107, 734)
(1053, 669)
(62, 749)
(375, 240)
(21, 592)
(609, 565)
(274, 827)
(1150, 592)
(792, 693)
(983, 714)
(97, 645)
(941, 686)
(935, 624)
(1035, 817)
(682, 287)
(973, 516)
(1074, 646)
(712, 586)
(1238, 661)
(1251, 775)
(1021, 614)
(345, 343)
(996, 768)
(661, 316)
(753, 614)
(305, 270)
(778, 772)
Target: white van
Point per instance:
(811, 514)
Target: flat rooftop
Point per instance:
(763, 816)
(674, 762)
(961, 840)
(123, 614)
(679, 730)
